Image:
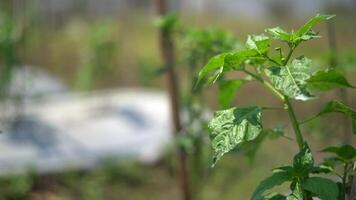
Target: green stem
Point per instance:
(344, 178)
(273, 61)
(295, 124)
(289, 54)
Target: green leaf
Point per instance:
(276, 179)
(224, 62)
(234, 60)
(346, 152)
(303, 162)
(214, 64)
(274, 196)
(322, 168)
(291, 80)
(322, 188)
(327, 80)
(305, 32)
(227, 92)
(233, 127)
(336, 106)
(260, 43)
(297, 193)
(279, 34)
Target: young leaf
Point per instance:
(336, 106)
(291, 80)
(227, 92)
(346, 152)
(327, 80)
(234, 60)
(214, 64)
(260, 43)
(305, 32)
(322, 188)
(233, 127)
(276, 179)
(224, 62)
(303, 162)
(297, 193)
(279, 34)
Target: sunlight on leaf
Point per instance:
(233, 127)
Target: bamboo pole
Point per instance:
(167, 53)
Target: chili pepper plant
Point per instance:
(289, 78)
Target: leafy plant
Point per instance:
(198, 44)
(288, 78)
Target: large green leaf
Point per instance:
(305, 32)
(327, 80)
(233, 127)
(224, 62)
(227, 92)
(322, 188)
(336, 106)
(303, 162)
(346, 152)
(260, 43)
(291, 80)
(278, 177)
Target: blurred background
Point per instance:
(85, 110)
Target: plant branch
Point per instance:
(293, 118)
(273, 61)
(267, 84)
(289, 54)
(308, 120)
(291, 113)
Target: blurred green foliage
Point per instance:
(9, 40)
(99, 54)
(16, 187)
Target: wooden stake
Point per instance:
(167, 51)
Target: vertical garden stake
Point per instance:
(167, 51)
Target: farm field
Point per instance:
(177, 100)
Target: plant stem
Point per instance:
(273, 61)
(289, 54)
(293, 118)
(344, 177)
